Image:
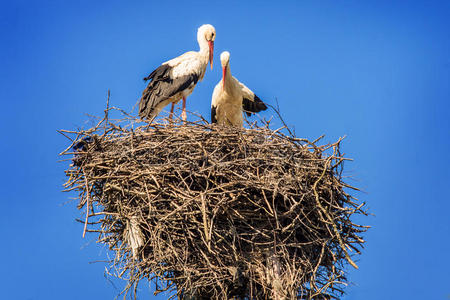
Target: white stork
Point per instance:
(175, 79)
(230, 98)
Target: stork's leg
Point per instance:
(183, 114)
(171, 112)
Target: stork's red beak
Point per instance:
(211, 53)
(224, 72)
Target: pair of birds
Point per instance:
(175, 80)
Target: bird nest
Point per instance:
(209, 212)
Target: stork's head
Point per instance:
(207, 33)
(225, 61)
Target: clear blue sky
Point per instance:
(376, 71)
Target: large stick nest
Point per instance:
(213, 212)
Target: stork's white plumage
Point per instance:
(230, 98)
(176, 78)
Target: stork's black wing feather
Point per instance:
(253, 106)
(159, 73)
(162, 87)
(213, 114)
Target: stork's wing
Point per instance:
(251, 103)
(215, 95)
(213, 114)
(167, 80)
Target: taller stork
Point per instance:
(175, 79)
(230, 98)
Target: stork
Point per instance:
(175, 79)
(230, 98)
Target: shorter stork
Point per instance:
(230, 98)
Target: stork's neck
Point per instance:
(227, 78)
(204, 48)
(227, 72)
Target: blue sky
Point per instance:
(376, 71)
